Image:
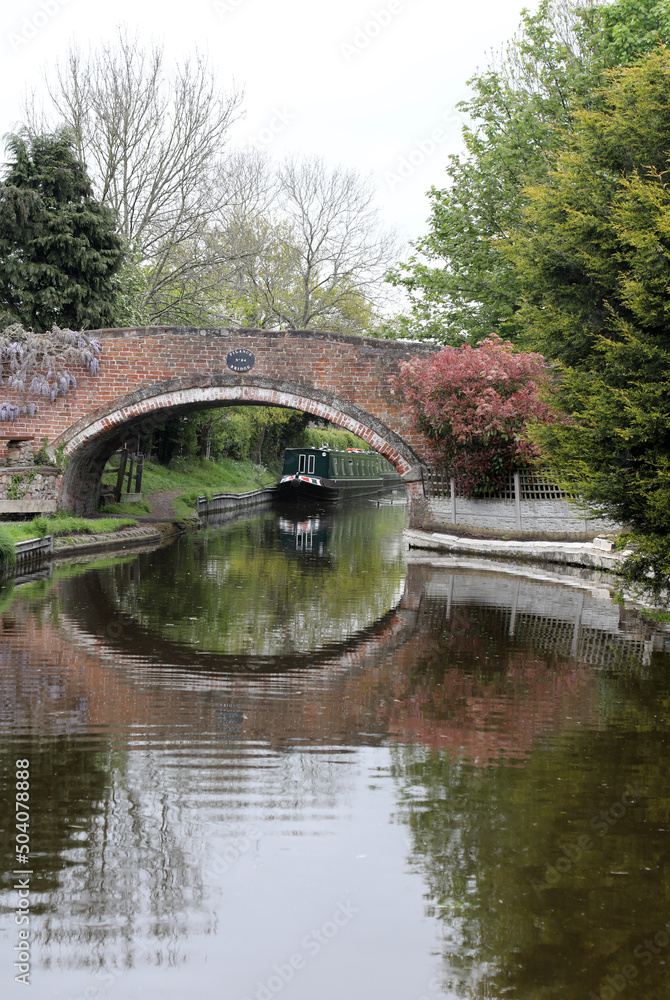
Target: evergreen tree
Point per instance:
(593, 260)
(59, 252)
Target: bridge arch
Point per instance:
(88, 444)
(150, 373)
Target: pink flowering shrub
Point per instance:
(475, 404)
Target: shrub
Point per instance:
(475, 405)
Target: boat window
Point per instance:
(310, 464)
(301, 464)
(304, 541)
(351, 466)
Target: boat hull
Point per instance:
(333, 490)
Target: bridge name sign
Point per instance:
(240, 360)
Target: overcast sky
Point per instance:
(372, 85)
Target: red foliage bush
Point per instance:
(475, 404)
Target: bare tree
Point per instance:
(320, 255)
(155, 148)
(197, 282)
(214, 236)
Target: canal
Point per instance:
(281, 757)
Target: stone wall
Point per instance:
(558, 517)
(29, 489)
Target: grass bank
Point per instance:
(65, 526)
(194, 477)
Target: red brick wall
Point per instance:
(344, 377)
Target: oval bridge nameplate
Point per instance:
(240, 360)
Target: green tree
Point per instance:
(593, 259)
(59, 251)
(259, 433)
(460, 283)
(633, 28)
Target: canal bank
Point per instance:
(597, 553)
(550, 560)
(163, 523)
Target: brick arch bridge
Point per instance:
(152, 373)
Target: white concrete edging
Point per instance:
(591, 554)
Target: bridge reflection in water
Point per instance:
(202, 710)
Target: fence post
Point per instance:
(138, 476)
(517, 498)
(119, 477)
(452, 490)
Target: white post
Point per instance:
(517, 498)
(452, 490)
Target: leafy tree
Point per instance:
(593, 257)
(259, 433)
(461, 285)
(633, 28)
(59, 251)
(474, 405)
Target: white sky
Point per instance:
(364, 84)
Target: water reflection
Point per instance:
(472, 766)
(233, 591)
(307, 536)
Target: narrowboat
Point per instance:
(322, 474)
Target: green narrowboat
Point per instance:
(322, 474)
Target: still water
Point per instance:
(281, 758)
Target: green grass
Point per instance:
(63, 525)
(196, 477)
(7, 557)
(199, 474)
(137, 508)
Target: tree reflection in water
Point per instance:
(543, 870)
(166, 748)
